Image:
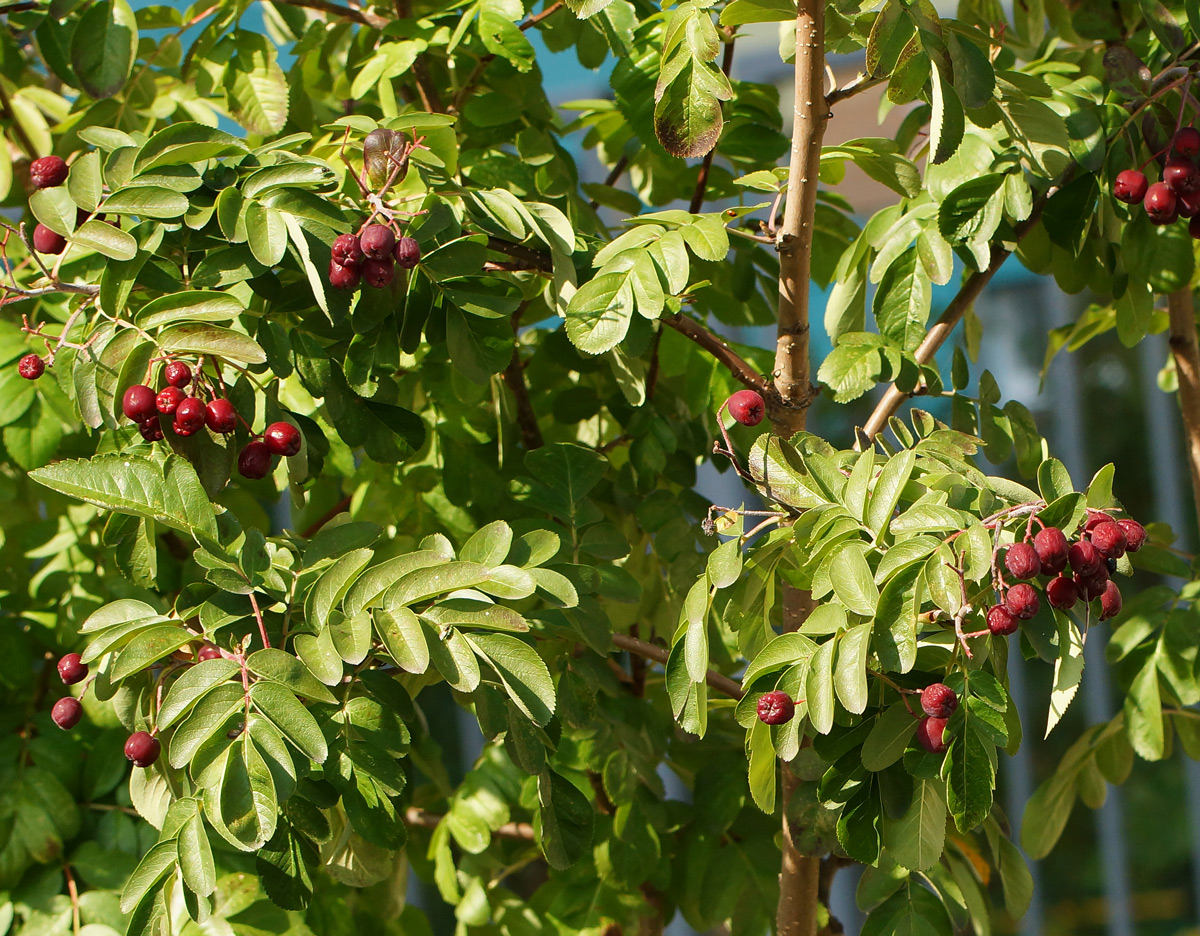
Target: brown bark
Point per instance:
(514, 377)
(723, 684)
(716, 346)
(1184, 349)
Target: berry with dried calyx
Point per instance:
(177, 374)
(151, 430)
(71, 669)
(938, 700)
(220, 416)
(1092, 587)
(1022, 601)
(47, 241)
(377, 241)
(1181, 176)
(168, 400)
(930, 734)
(747, 407)
(775, 708)
(47, 172)
(346, 250)
(31, 367)
(378, 273)
(1001, 621)
(1110, 602)
(407, 253)
(189, 417)
(208, 652)
(1052, 550)
(1022, 561)
(343, 277)
(1187, 141)
(66, 712)
(254, 461)
(1109, 539)
(1135, 534)
(1085, 559)
(1160, 204)
(142, 749)
(139, 404)
(282, 438)
(1062, 593)
(1130, 186)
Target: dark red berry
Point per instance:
(1085, 559)
(1022, 561)
(282, 438)
(47, 241)
(1001, 621)
(71, 669)
(1110, 602)
(254, 462)
(378, 273)
(47, 172)
(208, 652)
(1187, 141)
(1092, 587)
(407, 253)
(1135, 535)
(930, 734)
(775, 708)
(377, 241)
(346, 250)
(1181, 175)
(151, 430)
(1062, 593)
(142, 749)
(1188, 204)
(1022, 601)
(938, 700)
(1130, 186)
(1160, 203)
(1109, 539)
(747, 407)
(177, 374)
(168, 400)
(31, 367)
(139, 403)
(220, 416)
(343, 277)
(1194, 227)
(1094, 519)
(189, 417)
(66, 712)
(1051, 547)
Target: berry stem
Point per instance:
(262, 627)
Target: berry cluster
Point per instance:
(1092, 558)
(48, 172)
(141, 747)
(372, 256)
(1178, 194)
(938, 702)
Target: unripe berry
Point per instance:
(189, 417)
(1110, 602)
(177, 374)
(151, 430)
(31, 367)
(142, 749)
(775, 708)
(930, 734)
(343, 277)
(407, 253)
(1022, 561)
(1085, 559)
(254, 462)
(139, 404)
(346, 250)
(378, 273)
(71, 669)
(1130, 186)
(66, 712)
(1092, 587)
(1001, 621)
(1187, 142)
(220, 416)
(47, 172)
(747, 407)
(47, 241)
(168, 400)
(1062, 593)
(208, 652)
(938, 700)
(1109, 539)
(1160, 203)
(1181, 176)
(282, 438)
(1135, 535)
(377, 241)
(1022, 601)
(1052, 551)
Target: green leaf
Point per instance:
(917, 838)
(886, 493)
(54, 208)
(256, 85)
(103, 48)
(248, 806)
(762, 768)
(281, 667)
(1143, 712)
(599, 313)
(155, 865)
(284, 711)
(207, 718)
(215, 340)
(888, 738)
(403, 638)
(948, 122)
(190, 306)
(970, 779)
(105, 239)
(193, 685)
(1068, 670)
(196, 857)
(902, 302)
(522, 672)
(563, 824)
(183, 143)
(850, 670)
(852, 580)
(148, 647)
(320, 656)
(818, 686)
(147, 201)
(687, 112)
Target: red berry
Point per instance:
(1181, 176)
(31, 367)
(1085, 559)
(1062, 593)
(1001, 621)
(1187, 142)
(254, 462)
(208, 652)
(1188, 204)
(1092, 587)
(1022, 601)
(377, 241)
(71, 669)
(930, 734)
(66, 712)
(1110, 602)
(775, 708)
(168, 400)
(1109, 539)
(47, 172)
(220, 416)
(139, 403)
(1130, 186)
(1135, 535)
(189, 416)
(1160, 203)
(346, 250)
(747, 407)
(142, 749)
(1194, 227)
(151, 430)
(47, 242)
(407, 253)
(343, 277)
(1051, 548)
(282, 438)
(378, 273)
(938, 700)
(177, 374)
(1022, 561)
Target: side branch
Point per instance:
(1184, 349)
(716, 346)
(364, 17)
(514, 377)
(535, 259)
(723, 684)
(519, 831)
(851, 88)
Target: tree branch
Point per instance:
(617, 169)
(518, 831)
(514, 376)
(1184, 349)
(723, 684)
(856, 86)
(342, 505)
(528, 255)
(702, 178)
(358, 16)
(716, 346)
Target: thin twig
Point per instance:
(857, 86)
(359, 16)
(514, 377)
(519, 831)
(612, 177)
(262, 627)
(477, 72)
(339, 507)
(536, 259)
(716, 346)
(649, 651)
